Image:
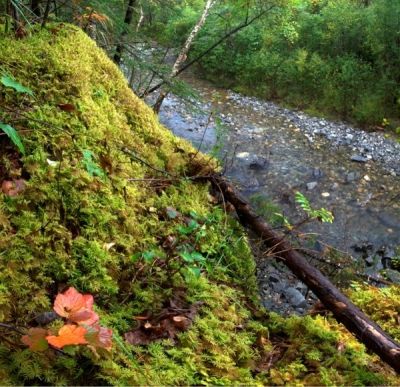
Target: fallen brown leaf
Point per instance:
(176, 317)
(67, 107)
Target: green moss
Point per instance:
(86, 224)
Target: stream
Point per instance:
(271, 153)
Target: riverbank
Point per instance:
(272, 152)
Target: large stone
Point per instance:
(359, 159)
(295, 297)
(257, 163)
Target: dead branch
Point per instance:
(367, 331)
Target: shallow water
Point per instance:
(269, 155)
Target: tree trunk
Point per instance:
(141, 18)
(35, 7)
(184, 51)
(342, 308)
(245, 24)
(13, 12)
(46, 13)
(127, 22)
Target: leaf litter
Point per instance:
(173, 319)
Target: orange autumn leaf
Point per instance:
(76, 307)
(35, 339)
(68, 335)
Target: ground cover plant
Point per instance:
(117, 268)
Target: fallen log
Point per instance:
(344, 311)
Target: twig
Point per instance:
(132, 155)
(11, 328)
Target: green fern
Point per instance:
(321, 214)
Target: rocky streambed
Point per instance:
(272, 152)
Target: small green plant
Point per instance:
(13, 136)
(8, 81)
(194, 259)
(91, 166)
(321, 214)
(191, 226)
(385, 122)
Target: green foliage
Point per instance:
(9, 81)
(322, 214)
(113, 238)
(13, 135)
(92, 168)
(338, 57)
(270, 211)
(382, 305)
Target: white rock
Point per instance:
(242, 155)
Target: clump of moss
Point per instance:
(90, 212)
(382, 305)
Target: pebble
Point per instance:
(352, 176)
(372, 146)
(359, 159)
(325, 194)
(312, 185)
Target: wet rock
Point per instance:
(273, 277)
(352, 176)
(389, 220)
(295, 297)
(252, 183)
(359, 159)
(312, 185)
(279, 287)
(317, 173)
(393, 276)
(363, 247)
(370, 260)
(258, 163)
(335, 186)
(388, 254)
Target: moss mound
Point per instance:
(92, 210)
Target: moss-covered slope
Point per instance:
(92, 210)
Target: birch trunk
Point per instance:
(141, 18)
(184, 51)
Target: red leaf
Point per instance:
(13, 187)
(68, 335)
(35, 339)
(76, 307)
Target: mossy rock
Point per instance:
(99, 175)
